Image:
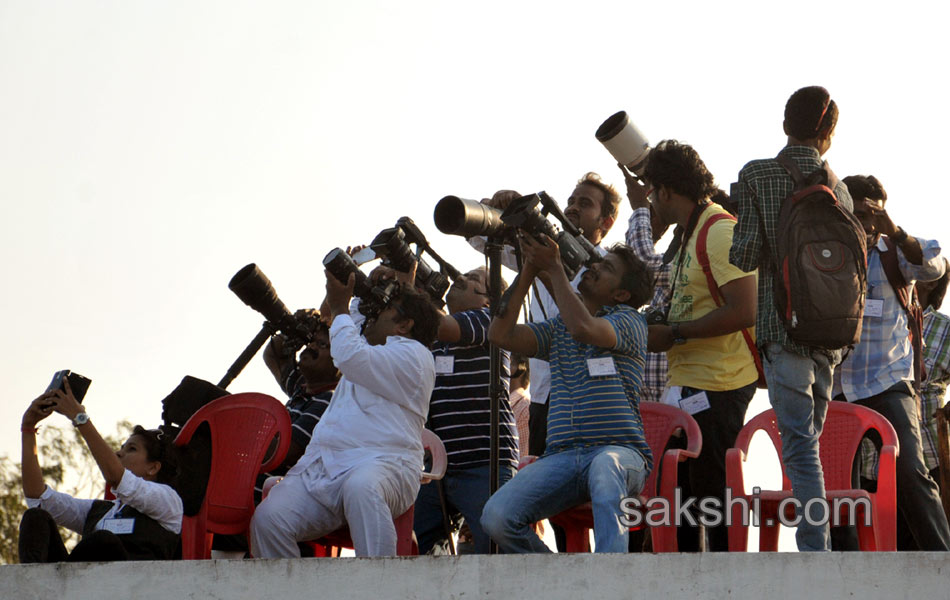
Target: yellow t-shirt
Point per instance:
(719, 363)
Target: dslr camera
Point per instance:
(392, 246)
(374, 298)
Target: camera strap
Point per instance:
(686, 233)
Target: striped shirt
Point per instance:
(459, 412)
(305, 410)
(766, 183)
(601, 410)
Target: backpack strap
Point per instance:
(910, 304)
(792, 169)
(702, 255)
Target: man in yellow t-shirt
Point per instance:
(712, 371)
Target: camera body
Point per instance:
(656, 316)
(77, 383)
(392, 245)
(576, 251)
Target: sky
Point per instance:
(149, 150)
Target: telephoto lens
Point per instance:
(457, 216)
(340, 265)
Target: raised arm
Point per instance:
(580, 322)
(32, 474)
(505, 331)
(104, 455)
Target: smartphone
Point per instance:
(77, 383)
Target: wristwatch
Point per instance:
(900, 236)
(80, 419)
(677, 336)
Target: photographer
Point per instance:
(712, 367)
(459, 414)
(143, 523)
(596, 449)
(592, 207)
(363, 463)
(308, 382)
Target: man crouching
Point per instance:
(596, 450)
(363, 463)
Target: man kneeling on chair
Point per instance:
(362, 465)
(596, 449)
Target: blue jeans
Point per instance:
(918, 497)
(799, 390)
(603, 475)
(466, 491)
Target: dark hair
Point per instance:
(520, 367)
(411, 304)
(159, 447)
(865, 186)
(810, 113)
(636, 277)
(610, 207)
(679, 167)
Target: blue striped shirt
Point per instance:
(590, 410)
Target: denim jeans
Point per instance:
(799, 390)
(466, 491)
(603, 475)
(918, 497)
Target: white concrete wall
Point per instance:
(864, 576)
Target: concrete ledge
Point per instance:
(551, 577)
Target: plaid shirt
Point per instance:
(765, 182)
(937, 359)
(932, 391)
(884, 356)
(640, 239)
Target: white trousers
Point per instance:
(311, 505)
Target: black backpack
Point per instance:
(819, 262)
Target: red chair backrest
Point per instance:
(660, 422)
(841, 434)
(242, 428)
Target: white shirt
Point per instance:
(156, 500)
(379, 407)
(541, 307)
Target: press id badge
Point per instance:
(696, 403)
(599, 367)
(874, 307)
(119, 526)
(444, 365)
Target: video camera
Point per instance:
(255, 289)
(456, 216)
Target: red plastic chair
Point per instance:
(331, 544)
(242, 429)
(660, 423)
(840, 439)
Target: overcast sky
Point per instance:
(149, 150)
